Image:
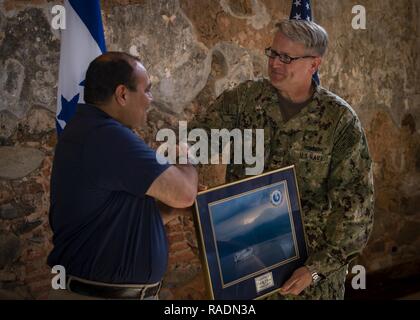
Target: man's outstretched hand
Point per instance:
(299, 281)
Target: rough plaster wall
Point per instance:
(193, 51)
(377, 71)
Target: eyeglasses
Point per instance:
(282, 56)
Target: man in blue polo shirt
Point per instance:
(108, 233)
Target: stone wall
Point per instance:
(193, 51)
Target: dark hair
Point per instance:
(105, 73)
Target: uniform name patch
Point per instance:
(311, 155)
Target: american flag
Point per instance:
(301, 10)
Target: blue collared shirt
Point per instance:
(105, 226)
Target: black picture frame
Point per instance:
(251, 235)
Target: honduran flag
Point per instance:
(301, 10)
(81, 41)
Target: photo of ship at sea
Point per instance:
(253, 232)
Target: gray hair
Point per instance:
(310, 34)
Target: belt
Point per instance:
(111, 291)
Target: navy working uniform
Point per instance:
(326, 143)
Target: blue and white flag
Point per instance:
(301, 10)
(81, 41)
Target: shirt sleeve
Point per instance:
(220, 114)
(351, 196)
(116, 159)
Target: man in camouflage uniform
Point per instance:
(307, 126)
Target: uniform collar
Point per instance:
(273, 110)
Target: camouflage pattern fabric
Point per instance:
(327, 145)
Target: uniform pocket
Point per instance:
(312, 173)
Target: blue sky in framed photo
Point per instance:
(252, 232)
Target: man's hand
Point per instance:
(299, 281)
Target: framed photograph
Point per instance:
(251, 235)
